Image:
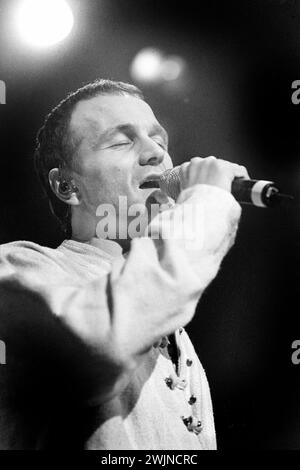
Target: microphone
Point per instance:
(259, 193)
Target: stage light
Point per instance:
(152, 66)
(172, 68)
(146, 67)
(42, 23)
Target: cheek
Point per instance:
(103, 180)
(105, 187)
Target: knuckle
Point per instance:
(212, 161)
(195, 160)
(242, 169)
(211, 158)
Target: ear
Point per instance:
(64, 188)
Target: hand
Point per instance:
(211, 171)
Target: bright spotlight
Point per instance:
(42, 23)
(147, 66)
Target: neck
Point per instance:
(84, 230)
(83, 226)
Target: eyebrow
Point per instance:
(156, 129)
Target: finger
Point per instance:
(240, 171)
(183, 169)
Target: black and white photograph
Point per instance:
(149, 228)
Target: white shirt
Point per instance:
(121, 307)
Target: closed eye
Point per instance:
(120, 144)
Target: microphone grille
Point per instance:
(170, 182)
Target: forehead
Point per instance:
(97, 114)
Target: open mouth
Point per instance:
(149, 184)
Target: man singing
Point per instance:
(106, 310)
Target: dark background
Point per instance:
(234, 102)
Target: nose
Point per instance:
(151, 153)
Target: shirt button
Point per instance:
(189, 362)
(170, 383)
(192, 400)
(187, 421)
(192, 424)
(197, 428)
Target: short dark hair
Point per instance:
(56, 144)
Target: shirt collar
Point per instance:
(110, 247)
(96, 246)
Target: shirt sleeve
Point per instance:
(150, 294)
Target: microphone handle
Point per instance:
(259, 193)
